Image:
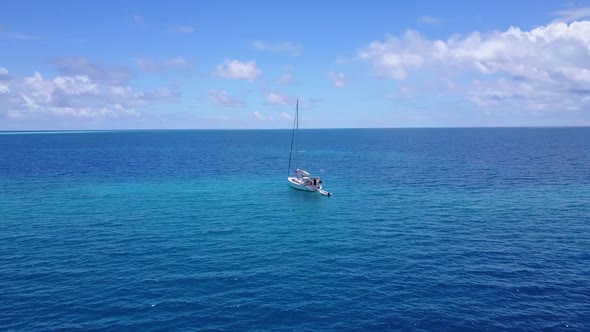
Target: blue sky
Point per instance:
(237, 64)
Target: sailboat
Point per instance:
(303, 180)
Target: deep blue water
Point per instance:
(428, 230)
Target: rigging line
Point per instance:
(295, 125)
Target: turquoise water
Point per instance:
(428, 230)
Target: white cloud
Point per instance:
(177, 63)
(305, 103)
(404, 92)
(182, 29)
(238, 70)
(4, 89)
(222, 98)
(393, 57)
(108, 74)
(570, 15)
(117, 111)
(276, 98)
(427, 19)
(149, 65)
(76, 96)
(295, 49)
(18, 36)
(3, 71)
(262, 117)
(113, 111)
(285, 78)
(449, 83)
(75, 85)
(337, 79)
(41, 91)
(407, 90)
(551, 61)
(126, 95)
(285, 115)
(160, 66)
(223, 118)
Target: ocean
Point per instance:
(428, 230)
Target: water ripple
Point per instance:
(470, 230)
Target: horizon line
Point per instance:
(248, 129)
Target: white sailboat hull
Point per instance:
(296, 183)
(312, 184)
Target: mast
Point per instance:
(295, 126)
(297, 113)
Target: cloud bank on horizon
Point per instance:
(511, 76)
(545, 68)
